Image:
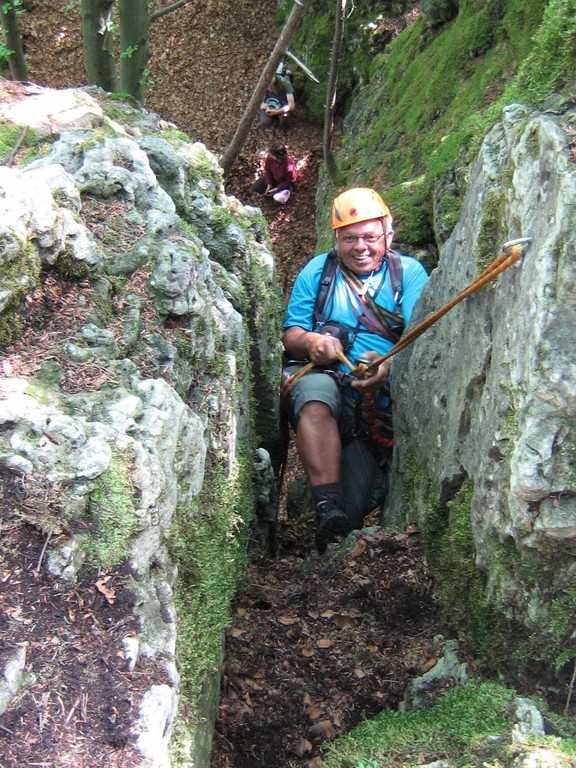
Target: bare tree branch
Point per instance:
(332, 87)
(168, 9)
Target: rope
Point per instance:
(511, 253)
(372, 423)
(308, 367)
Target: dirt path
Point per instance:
(292, 226)
(317, 644)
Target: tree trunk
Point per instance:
(332, 86)
(13, 40)
(98, 45)
(235, 147)
(134, 53)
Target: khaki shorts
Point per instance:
(314, 385)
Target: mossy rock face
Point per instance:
(438, 12)
(150, 305)
(366, 34)
(481, 399)
(415, 144)
(20, 274)
(111, 508)
(473, 723)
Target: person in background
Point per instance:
(278, 102)
(342, 423)
(279, 175)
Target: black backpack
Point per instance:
(282, 70)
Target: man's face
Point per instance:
(363, 255)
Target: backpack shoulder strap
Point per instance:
(325, 288)
(395, 267)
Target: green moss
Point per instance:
(460, 724)
(21, 144)
(11, 323)
(516, 396)
(93, 139)
(461, 586)
(71, 268)
(401, 137)
(204, 171)
(111, 510)
(448, 213)
(468, 727)
(174, 134)
(548, 639)
(124, 97)
(220, 219)
(421, 495)
(208, 544)
(102, 307)
(115, 111)
(505, 644)
(549, 63)
(20, 275)
(411, 203)
(312, 42)
(491, 232)
(265, 313)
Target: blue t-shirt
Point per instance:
(300, 310)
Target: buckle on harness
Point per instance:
(341, 378)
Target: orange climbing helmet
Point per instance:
(359, 204)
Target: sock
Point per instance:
(325, 490)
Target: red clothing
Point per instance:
(279, 174)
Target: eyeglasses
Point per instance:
(353, 239)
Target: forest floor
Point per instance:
(316, 643)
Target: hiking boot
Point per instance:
(332, 526)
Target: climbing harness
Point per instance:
(512, 251)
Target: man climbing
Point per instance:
(352, 302)
(278, 176)
(278, 102)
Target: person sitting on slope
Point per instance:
(279, 175)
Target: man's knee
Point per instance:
(315, 410)
(313, 390)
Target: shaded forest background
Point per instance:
(206, 59)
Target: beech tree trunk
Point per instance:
(98, 43)
(13, 40)
(332, 88)
(235, 147)
(134, 53)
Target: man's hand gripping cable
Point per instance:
(341, 376)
